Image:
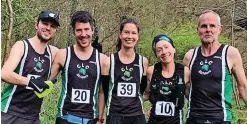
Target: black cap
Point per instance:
(48, 14)
(160, 38)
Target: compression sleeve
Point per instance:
(143, 84)
(105, 84)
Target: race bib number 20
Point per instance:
(80, 96)
(126, 89)
(165, 108)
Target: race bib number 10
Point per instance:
(126, 89)
(165, 108)
(80, 96)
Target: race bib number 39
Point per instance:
(126, 89)
(165, 108)
(80, 96)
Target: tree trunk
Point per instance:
(70, 35)
(7, 45)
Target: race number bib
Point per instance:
(80, 96)
(31, 76)
(126, 89)
(165, 108)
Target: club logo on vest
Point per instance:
(38, 67)
(126, 73)
(205, 67)
(82, 72)
(165, 87)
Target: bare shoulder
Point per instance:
(104, 59)
(53, 49)
(150, 69)
(105, 64)
(232, 51)
(62, 52)
(17, 49)
(145, 61)
(187, 57)
(19, 45)
(150, 72)
(14, 57)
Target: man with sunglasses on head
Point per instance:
(26, 70)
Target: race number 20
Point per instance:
(80, 96)
(165, 108)
(126, 89)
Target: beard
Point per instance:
(43, 39)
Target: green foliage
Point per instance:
(185, 37)
(49, 106)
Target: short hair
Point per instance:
(209, 11)
(81, 16)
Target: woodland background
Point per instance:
(177, 18)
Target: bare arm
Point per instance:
(186, 61)
(105, 67)
(145, 65)
(8, 74)
(234, 59)
(54, 51)
(149, 77)
(58, 63)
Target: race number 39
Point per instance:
(80, 96)
(165, 108)
(126, 89)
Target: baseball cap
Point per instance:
(161, 37)
(48, 14)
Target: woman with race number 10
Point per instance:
(165, 85)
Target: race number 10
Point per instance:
(164, 108)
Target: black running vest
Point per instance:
(80, 86)
(124, 97)
(21, 100)
(211, 86)
(167, 94)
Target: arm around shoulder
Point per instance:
(58, 63)
(149, 77)
(186, 62)
(54, 51)
(145, 65)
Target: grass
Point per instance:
(49, 107)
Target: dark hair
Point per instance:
(126, 21)
(81, 16)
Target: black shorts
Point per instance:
(12, 119)
(139, 119)
(165, 120)
(205, 121)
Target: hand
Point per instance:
(38, 85)
(148, 114)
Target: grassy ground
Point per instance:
(49, 108)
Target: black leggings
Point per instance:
(139, 119)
